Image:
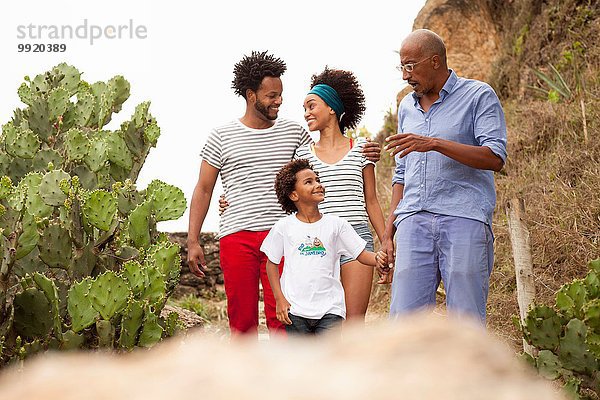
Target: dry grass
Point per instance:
(558, 175)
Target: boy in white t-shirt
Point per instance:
(309, 295)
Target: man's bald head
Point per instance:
(429, 43)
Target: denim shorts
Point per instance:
(308, 326)
(364, 232)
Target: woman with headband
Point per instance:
(335, 103)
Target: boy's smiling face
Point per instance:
(308, 188)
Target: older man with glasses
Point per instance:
(451, 138)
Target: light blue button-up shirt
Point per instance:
(468, 112)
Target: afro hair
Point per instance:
(285, 182)
(350, 92)
(252, 69)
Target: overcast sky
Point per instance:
(180, 56)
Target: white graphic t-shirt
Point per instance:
(311, 272)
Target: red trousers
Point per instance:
(243, 265)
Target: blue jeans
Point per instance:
(432, 247)
(308, 326)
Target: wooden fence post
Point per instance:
(519, 238)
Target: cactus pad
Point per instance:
(49, 289)
(33, 314)
(50, 187)
(84, 109)
(22, 143)
(574, 353)
(542, 328)
(139, 225)
(79, 305)
(135, 276)
(109, 294)
(548, 364)
(6, 187)
(71, 341)
(119, 86)
(152, 133)
(24, 92)
(34, 203)
(58, 102)
(592, 315)
(44, 157)
(28, 239)
(84, 261)
(70, 77)
(168, 200)
(39, 118)
(168, 261)
(97, 155)
(570, 299)
(151, 330)
(131, 323)
(140, 115)
(106, 333)
(155, 288)
(100, 208)
(77, 144)
(117, 150)
(55, 246)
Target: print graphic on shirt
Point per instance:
(312, 247)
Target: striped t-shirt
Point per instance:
(248, 160)
(343, 182)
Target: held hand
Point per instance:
(372, 150)
(282, 309)
(387, 246)
(381, 259)
(196, 260)
(223, 204)
(386, 278)
(383, 268)
(406, 143)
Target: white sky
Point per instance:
(184, 65)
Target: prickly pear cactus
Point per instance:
(567, 336)
(77, 234)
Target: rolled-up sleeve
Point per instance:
(490, 125)
(398, 177)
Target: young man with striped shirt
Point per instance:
(247, 152)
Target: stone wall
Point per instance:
(189, 283)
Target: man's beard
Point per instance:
(261, 108)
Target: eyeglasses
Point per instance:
(411, 66)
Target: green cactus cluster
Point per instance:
(567, 336)
(82, 263)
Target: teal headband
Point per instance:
(329, 96)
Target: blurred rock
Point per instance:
(413, 358)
